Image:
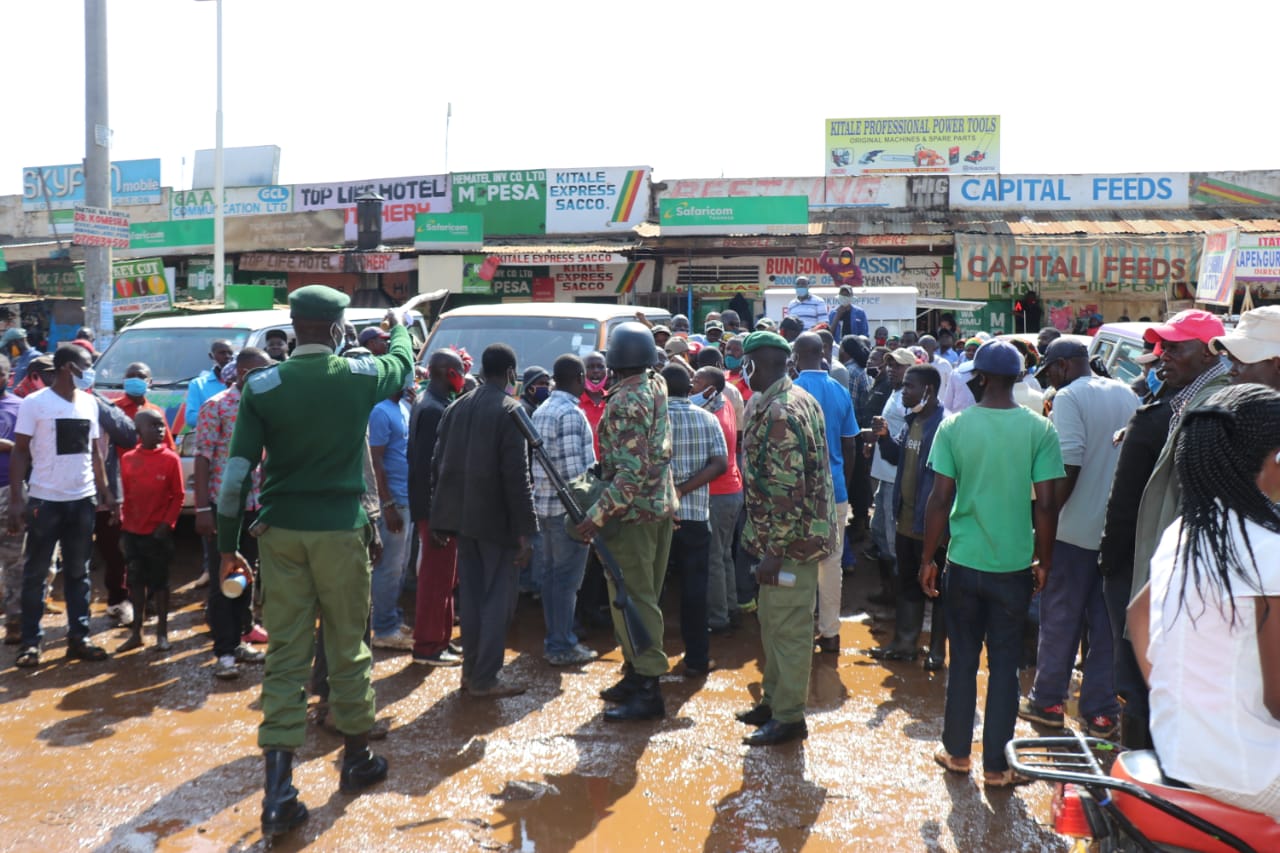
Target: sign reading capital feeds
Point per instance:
(448, 231)
(953, 145)
(730, 215)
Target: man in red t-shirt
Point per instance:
(153, 491)
(726, 503)
(592, 400)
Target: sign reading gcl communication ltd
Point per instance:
(729, 215)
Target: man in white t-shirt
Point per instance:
(55, 439)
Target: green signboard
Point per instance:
(511, 202)
(733, 215)
(157, 236)
(200, 277)
(517, 281)
(471, 280)
(444, 231)
(995, 317)
(3, 266)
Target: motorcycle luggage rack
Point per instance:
(1072, 760)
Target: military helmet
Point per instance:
(631, 345)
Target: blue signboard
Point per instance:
(132, 182)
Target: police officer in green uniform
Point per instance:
(309, 415)
(636, 512)
(791, 527)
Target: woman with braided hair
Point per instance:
(1206, 627)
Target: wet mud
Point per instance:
(149, 751)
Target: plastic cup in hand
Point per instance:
(786, 578)
(234, 585)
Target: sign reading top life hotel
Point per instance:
(950, 145)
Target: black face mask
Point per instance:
(873, 372)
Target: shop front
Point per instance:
(498, 275)
(1062, 280)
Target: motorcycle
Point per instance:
(1133, 806)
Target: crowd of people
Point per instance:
(1006, 495)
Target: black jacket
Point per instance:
(891, 450)
(1144, 439)
(424, 421)
(481, 463)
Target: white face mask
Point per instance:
(919, 407)
(748, 370)
(846, 300)
(337, 335)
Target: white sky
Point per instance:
(356, 89)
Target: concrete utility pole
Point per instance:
(97, 167)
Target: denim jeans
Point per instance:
(563, 562)
(688, 559)
(722, 584)
(884, 528)
(1071, 603)
(388, 575)
(50, 523)
(990, 605)
(531, 575)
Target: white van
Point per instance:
(895, 308)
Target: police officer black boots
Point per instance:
(643, 703)
(281, 808)
(360, 767)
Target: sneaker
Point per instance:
(247, 654)
(444, 657)
(579, 654)
(122, 613)
(401, 640)
(1102, 726)
(226, 668)
(1050, 716)
(257, 635)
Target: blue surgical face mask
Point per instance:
(733, 362)
(802, 292)
(702, 398)
(135, 387)
(1154, 382)
(83, 380)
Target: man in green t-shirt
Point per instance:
(986, 462)
(310, 415)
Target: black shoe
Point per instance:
(360, 767)
(281, 808)
(933, 663)
(883, 598)
(830, 645)
(720, 630)
(645, 703)
(775, 732)
(86, 651)
(891, 653)
(623, 690)
(756, 715)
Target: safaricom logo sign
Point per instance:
(709, 212)
(444, 227)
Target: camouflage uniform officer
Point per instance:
(639, 507)
(791, 526)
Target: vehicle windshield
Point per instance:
(175, 356)
(536, 340)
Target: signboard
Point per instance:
(734, 215)
(923, 273)
(952, 145)
(446, 231)
(163, 236)
(584, 201)
(287, 262)
(995, 317)
(1069, 192)
(1235, 188)
(1257, 257)
(200, 277)
(511, 202)
(841, 191)
(237, 201)
(558, 282)
(137, 285)
(317, 228)
(1216, 284)
(544, 258)
(97, 226)
(377, 262)
(473, 281)
(247, 166)
(132, 182)
(1112, 264)
(3, 266)
(404, 199)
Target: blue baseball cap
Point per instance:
(998, 358)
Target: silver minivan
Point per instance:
(1118, 345)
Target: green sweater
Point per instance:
(310, 414)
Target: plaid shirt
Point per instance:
(695, 437)
(214, 425)
(1183, 397)
(570, 445)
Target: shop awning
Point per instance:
(1195, 220)
(558, 248)
(928, 303)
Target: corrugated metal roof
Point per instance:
(557, 248)
(1197, 220)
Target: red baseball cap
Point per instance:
(1190, 325)
(88, 345)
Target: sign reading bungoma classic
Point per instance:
(734, 215)
(584, 201)
(445, 231)
(403, 199)
(512, 202)
(841, 191)
(952, 145)
(237, 201)
(1069, 192)
(1111, 264)
(132, 182)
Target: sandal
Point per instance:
(86, 651)
(1007, 779)
(28, 658)
(950, 762)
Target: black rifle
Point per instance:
(636, 632)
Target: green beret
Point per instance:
(318, 302)
(759, 340)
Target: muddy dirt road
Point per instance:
(149, 752)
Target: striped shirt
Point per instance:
(567, 437)
(811, 311)
(696, 436)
